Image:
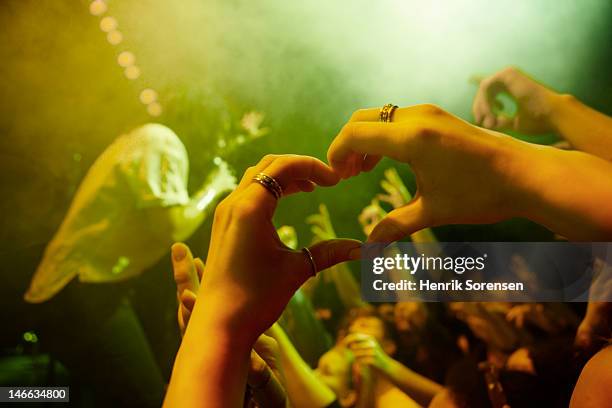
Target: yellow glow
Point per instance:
(114, 37)
(108, 24)
(126, 59)
(148, 96)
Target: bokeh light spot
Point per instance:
(97, 7)
(126, 59)
(108, 24)
(114, 37)
(148, 96)
(132, 72)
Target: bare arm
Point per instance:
(368, 352)
(347, 286)
(541, 110)
(586, 129)
(593, 387)
(211, 366)
(304, 389)
(568, 193)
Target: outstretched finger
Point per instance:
(357, 139)
(184, 269)
(199, 265)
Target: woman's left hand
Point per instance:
(250, 274)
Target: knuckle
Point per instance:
(349, 130)
(426, 132)
(268, 158)
(431, 109)
(220, 211)
(358, 115)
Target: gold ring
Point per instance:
(313, 265)
(386, 112)
(270, 184)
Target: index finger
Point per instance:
(373, 115)
(371, 138)
(289, 169)
(366, 162)
(293, 173)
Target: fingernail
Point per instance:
(179, 252)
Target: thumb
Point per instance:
(399, 223)
(328, 253)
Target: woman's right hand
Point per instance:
(465, 174)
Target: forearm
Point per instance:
(348, 289)
(568, 192)
(211, 366)
(366, 388)
(586, 129)
(304, 389)
(416, 386)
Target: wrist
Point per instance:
(525, 187)
(214, 316)
(211, 365)
(559, 105)
(536, 193)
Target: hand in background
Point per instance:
(187, 273)
(397, 195)
(367, 351)
(370, 216)
(321, 225)
(221, 179)
(535, 103)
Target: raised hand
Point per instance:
(320, 225)
(371, 215)
(535, 103)
(247, 261)
(397, 195)
(463, 172)
(367, 351)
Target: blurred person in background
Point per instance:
(130, 206)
